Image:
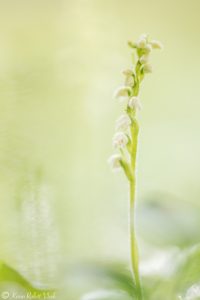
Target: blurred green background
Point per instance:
(60, 62)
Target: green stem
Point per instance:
(133, 241)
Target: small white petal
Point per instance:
(148, 48)
(135, 103)
(120, 140)
(122, 93)
(142, 43)
(129, 81)
(147, 68)
(129, 77)
(114, 161)
(123, 122)
(144, 36)
(128, 72)
(156, 44)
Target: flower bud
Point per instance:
(114, 161)
(135, 103)
(123, 122)
(120, 140)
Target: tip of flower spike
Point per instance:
(146, 44)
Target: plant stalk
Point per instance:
(133, 241)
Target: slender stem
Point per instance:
(133, 241)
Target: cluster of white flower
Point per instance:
(144, 46)
(128, 94)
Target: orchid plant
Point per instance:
(125, 139)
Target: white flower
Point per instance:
(156, 44)
(129, 79)
(122, 93)
(120, 140)
(147, 68)
(123, 122)
(135, 103)
(128, 72)
(144, 59)
(114, 161)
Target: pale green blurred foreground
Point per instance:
(60, 62)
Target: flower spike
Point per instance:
(125, 139)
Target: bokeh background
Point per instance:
(60, 62)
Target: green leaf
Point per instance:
(11, 278)
(127, 169)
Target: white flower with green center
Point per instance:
(122, 93)
(120, 140)
(135, 103)
(128, 72)
(123, 122)
(129, 81)
(129, 77)
(114, 162)
(126, 140)
(147, 68)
